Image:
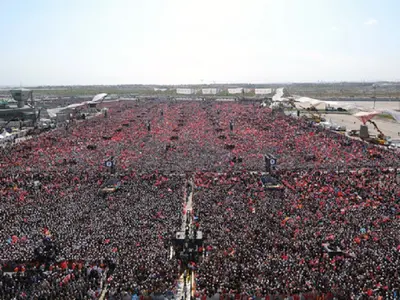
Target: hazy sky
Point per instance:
(52, 42)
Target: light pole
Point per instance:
(397, 89)
(374, 87)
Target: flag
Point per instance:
(46, 232)
(14, 239)
(64, 265)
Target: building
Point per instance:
(235, 91)
(182, 91)
(209, 91)
(22, 96)
(20, 108)
(263, 91)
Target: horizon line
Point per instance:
(202, 84)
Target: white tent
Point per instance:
(99, 97)
(365, 116)
(5, 135)
(278, 95)
(96, 99)
(358, 111)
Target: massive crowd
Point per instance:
(272, 242)
(257, 242)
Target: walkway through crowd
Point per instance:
(185, 280)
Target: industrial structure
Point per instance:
(21, 108)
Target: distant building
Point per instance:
(263, 91)
(22, 96)
(209, 91)
(160, 90)
(181, 91)
(3, 104)
(21, 107)
(235, 91)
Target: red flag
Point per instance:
(64, 265)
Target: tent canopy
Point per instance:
(96, 99)
(99, 97)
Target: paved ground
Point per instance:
(388, 127)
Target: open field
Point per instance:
(350, 90)
(345, 90)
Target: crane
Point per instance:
(381, 135)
